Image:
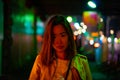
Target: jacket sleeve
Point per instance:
(87, 69)
(80, 62)
(35, 72)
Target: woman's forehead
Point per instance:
(58, 29)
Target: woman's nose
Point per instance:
(58, 40)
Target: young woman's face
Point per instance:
(60, 39)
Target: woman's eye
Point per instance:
(63, 35)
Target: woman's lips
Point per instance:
(60, 47)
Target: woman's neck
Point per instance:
(61, 55)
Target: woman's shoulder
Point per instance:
(80, 56)
(38, 58)
(79, 60)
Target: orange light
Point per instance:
(74, 37)
(39, 38)
(94, 34)
(96, 45)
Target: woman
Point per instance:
(58, 59)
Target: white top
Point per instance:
(59, 67)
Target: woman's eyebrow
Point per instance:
(60, 33)
(63, 32)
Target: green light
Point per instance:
(23, 18)
(29, 17)
(28, 24)
(69, 19)
(92, 4)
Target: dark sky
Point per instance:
(115, 23)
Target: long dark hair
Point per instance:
(47, 51)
